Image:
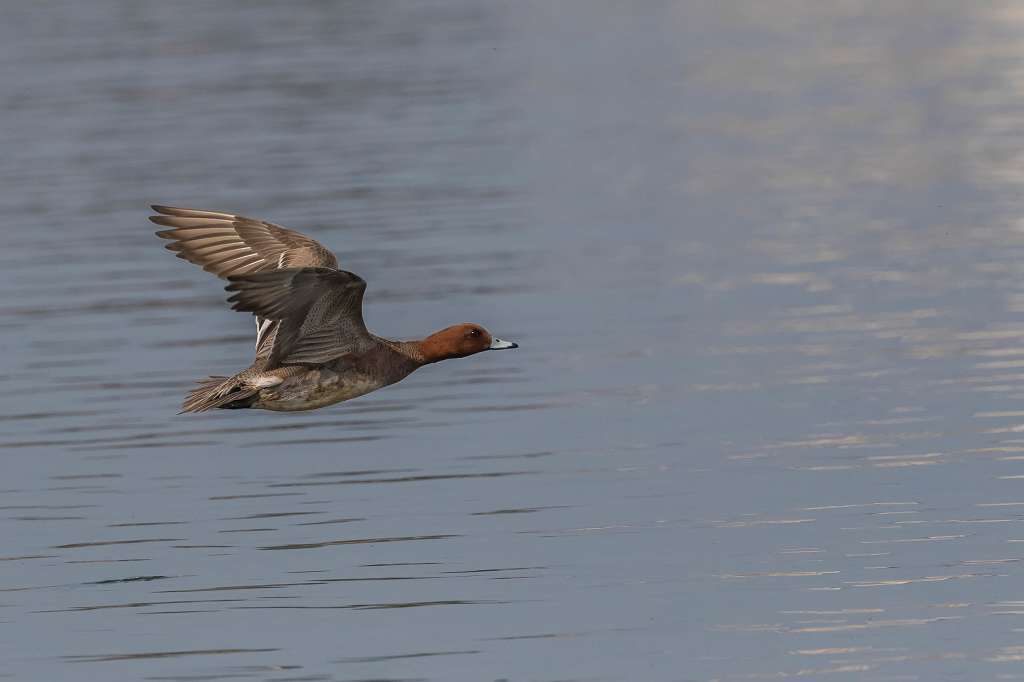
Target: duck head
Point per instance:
(459, 341)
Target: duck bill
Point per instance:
(498, 344)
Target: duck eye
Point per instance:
(474, 332)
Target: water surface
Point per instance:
(763, 262)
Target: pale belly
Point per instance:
(313, 389)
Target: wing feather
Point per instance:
(206, 237)
(228, 245)
(318, 311)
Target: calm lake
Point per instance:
(764, 261)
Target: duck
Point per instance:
(312, 347)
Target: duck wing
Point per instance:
(319, 312)
(227, 244)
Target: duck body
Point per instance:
(314, 388)
(312, 347)
(308, 387)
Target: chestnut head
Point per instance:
(459, 341)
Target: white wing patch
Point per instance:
(261, 328)
(266, 381)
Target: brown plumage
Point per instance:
(312, 347)
(227, 245)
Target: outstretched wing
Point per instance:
(227, 244)
(319, 312)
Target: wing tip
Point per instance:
(180, 212)
(235, 299)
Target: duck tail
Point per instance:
(218, 392)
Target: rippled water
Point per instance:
(764, 261)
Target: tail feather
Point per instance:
(217, 391)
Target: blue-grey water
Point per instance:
(764, 260)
